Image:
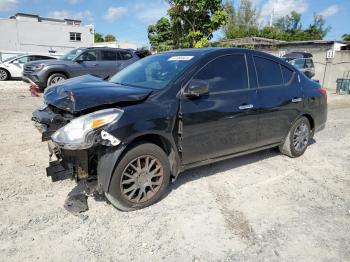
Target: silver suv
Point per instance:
(98, 61)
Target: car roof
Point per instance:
(218, 50)
(104, 48)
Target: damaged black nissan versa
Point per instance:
(173, 111)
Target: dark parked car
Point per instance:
(302, 61)
(173, 111)
(98, 61)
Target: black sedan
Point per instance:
(176, 110)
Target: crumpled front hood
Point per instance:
(86, 92)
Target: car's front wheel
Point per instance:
(140, 178)
(297, 139)
(4, 74)
(56, 78)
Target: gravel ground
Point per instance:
(260, 207)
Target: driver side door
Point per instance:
(88, 63)
(224, 121)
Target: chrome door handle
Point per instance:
(297, 100)
(244, 107)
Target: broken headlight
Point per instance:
(77, 133)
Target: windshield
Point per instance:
(71, 55)
(10, 58)
(153, 72)
(298, 63)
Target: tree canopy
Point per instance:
(100, 38)
(346, 37)
(243, 22)
(110, 38)
(190, 24)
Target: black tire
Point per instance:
(4, 74)
(55, 78)
(118, 187)
(294, 146)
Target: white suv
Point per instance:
(13, 67)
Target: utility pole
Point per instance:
(272, 16)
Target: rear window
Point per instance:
(124, 55)
(287, 74)
(268, 72)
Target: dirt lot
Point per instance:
(261, 207)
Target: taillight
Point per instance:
(323, 91)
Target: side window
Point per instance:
(23, 60)
(124, 55)
(38, 57)
(268, 72)
(89, 56)
(225, 73)
(287, 74)
(309, 63)
(109, 55)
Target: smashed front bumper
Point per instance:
(65, 164)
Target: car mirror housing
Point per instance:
(79, 60)
(196, 88)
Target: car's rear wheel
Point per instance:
(140, 178)
(297, 139)
(4, 74)
(56, 78)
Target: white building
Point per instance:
(27, 33)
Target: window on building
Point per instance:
(75, 36)
(269, 72)
(225, 73)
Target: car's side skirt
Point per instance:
(213, 160)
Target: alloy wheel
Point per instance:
(57, 79)
(141, 179)
(3, 75)
(301, 137)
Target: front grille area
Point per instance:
(28, 69)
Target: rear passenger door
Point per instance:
(280, 99)
(224, 121)
(108, 63)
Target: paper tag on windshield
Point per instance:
(180, 58)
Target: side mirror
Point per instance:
(79, 60)
(196, 88)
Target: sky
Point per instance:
(128, 19)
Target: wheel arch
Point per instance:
(311, 121)
(58, 71)
(161, 141)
